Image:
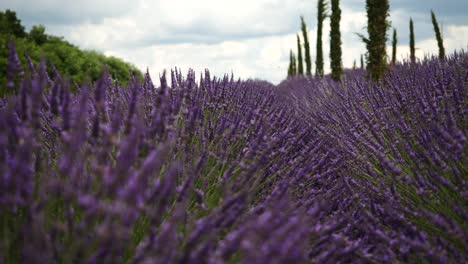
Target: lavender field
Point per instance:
(206, 169)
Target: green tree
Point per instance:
(37, 34)
(354, 64)
(306, 47)
(70, 61)
(321, 16)
(412, 48)
(293, 64)
(335, 41)
(362, 62)
(377, 26)
(394, 46)
(290, 67)
(300, 67)
(440, 40)
(11, 25)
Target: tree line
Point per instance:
(75, 64)
(375, 61)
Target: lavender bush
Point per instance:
(217, 170)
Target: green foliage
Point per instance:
(300, 67)
(73, 63)
(11, 25)
(306, 47)
(335, 41)
(362, 62)
(412, 48)
(440, 40)
(292, 69)
(37, 34)
(321, 16)
(10, 228)
(377, 26)
(394, 46)
(293, 64)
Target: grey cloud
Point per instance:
(205, 35)
(451, 11)
(444, 8)
(66, 12)
(272, 18)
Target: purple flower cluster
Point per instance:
(217, 170)
(13, 65)
(403, 142)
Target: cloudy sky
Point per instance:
(251, 38)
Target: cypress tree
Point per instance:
(394, 46)
(293, 64)
(335, 40)
(306, 47)
(300, 67)
(290, 64)
(354, 64)
(366, 58)
(377, 25)
(411, 39)
(321, 6)
(362, 62)
(440, 41)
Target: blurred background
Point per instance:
(252, 39)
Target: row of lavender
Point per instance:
(223, 171)
(201, 171)
(405, 150)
